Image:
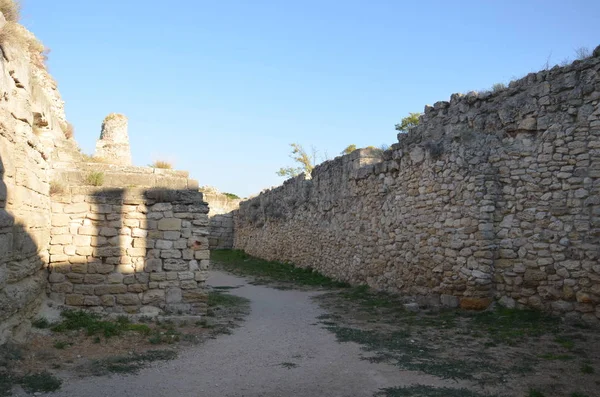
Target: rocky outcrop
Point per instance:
(31, 116)
(491, 196)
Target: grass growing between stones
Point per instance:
(240, 263)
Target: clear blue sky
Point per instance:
(222, 87)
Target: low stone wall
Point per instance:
(130, 250)
(493, 195)
(221, 212)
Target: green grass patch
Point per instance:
(369, 298)
(510, 326)
(428, 391)
(40, 323)
(216, 298)
(93, 324)
(6, 384)
(131, 364)
(60, 344)
(238, 262)
(397, 348)
(564, 342)
(587, 369)
(40, 382)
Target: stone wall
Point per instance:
(30, 126)
(129, 250)
(493, 195)
(221, 212)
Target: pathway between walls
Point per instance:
(281, 328)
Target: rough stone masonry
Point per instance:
(493, 195)
(138, 243)
(130, 250)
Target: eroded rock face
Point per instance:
(31, 114)
(492, 195)
(113, 144)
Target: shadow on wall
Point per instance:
(22, 271)
(130, 250)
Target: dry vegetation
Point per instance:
(15, 35)
(11, 10)
(162, 164)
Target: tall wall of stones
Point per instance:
(221, 212)
(129, 250)
(493, 195)
(31, 115)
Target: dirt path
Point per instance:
(280, 350)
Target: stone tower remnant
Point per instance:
(113, 144)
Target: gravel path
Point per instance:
(281, 328)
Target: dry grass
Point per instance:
(113, 116)
(56, 188)
(15, 35)
(162, 164)
(95, 178)
(11, 10)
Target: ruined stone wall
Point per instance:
(129, 250)
(30, 125)
(493, 195)
(113, 144)
(221, 212)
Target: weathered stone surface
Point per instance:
(491, 196)
(169, 224)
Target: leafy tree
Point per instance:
(410, 121)
(349, 149)
(303, 158)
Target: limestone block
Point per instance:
(155, 296)
(128, 299)
(173, 295)
(170, 224)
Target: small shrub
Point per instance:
(582, 53)
(587, 369)
(40, 382)
(17, 36)
(40, 323)
(95, 178)
(56, 188)
(232, 196)
(162, 164)
(60, 344)
(498, 87)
